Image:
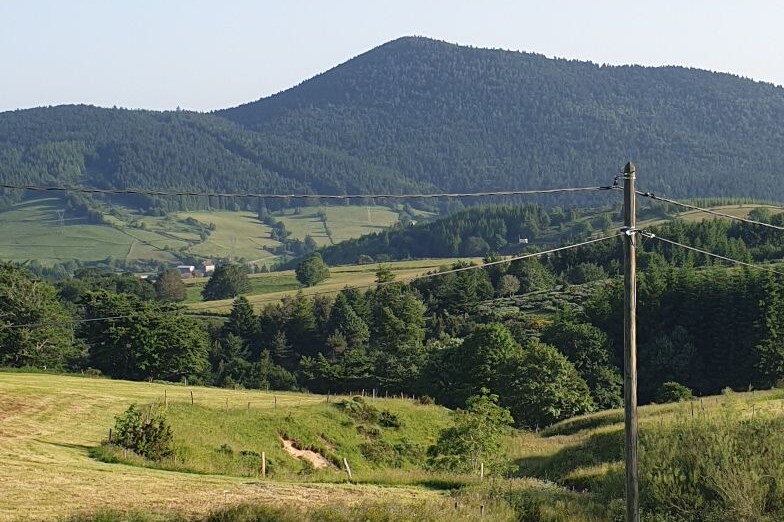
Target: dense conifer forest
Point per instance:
(422, 115)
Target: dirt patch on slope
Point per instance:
(316, 459)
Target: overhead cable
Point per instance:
(651, 195)
(88, 190)
(710, 254)
(370, 285)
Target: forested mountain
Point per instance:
(116, 148)
(418, 114)
(465, 118)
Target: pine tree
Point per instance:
(281, 352)
(242, 322)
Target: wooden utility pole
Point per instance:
(630, 343)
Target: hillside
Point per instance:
(421, 115)
(465, 118)
(52, 425)
(51, 233)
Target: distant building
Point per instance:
(207, 267)
(522, 240)
(186, 271)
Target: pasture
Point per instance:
(45, 230)
(274, 286)
(49, 424)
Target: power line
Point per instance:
(710, 254)
(651, 195)
(473, 267)
(88, 190)
(94, 319)
(370, 285)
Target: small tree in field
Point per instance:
(169, 286)
(145, 433)
(672, 392)
(312, 270)
(226, 282)
(476, 437)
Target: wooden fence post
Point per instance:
(191, 398)
(263, 464)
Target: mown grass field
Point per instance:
(345, 222)
(695, 216)
(725, 455)
(48, 425)
(236, 235)
(274, 286)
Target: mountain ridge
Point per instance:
(417, 114)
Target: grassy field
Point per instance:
(35, 230)
(709, 459)
(272, 287)
(236, 235)
(345, 222)
(48, 425)
(213, 440)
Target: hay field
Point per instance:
(48, 424)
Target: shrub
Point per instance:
(377, 451)
(476, 436)
(672, 392)
(146, 434)
(426, 400)
(358, 409)
(387, 419)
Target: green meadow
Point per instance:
(45, 230)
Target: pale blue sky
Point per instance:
(204, 55)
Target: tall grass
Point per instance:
(725, 463)
(728, 466)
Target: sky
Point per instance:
(205, 55)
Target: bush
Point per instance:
(146, 434)
(672, 392)
(387, 419)
(358, 409)
(312, 270)
(426, 400)
(476, 436)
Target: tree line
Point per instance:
(702, 326)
